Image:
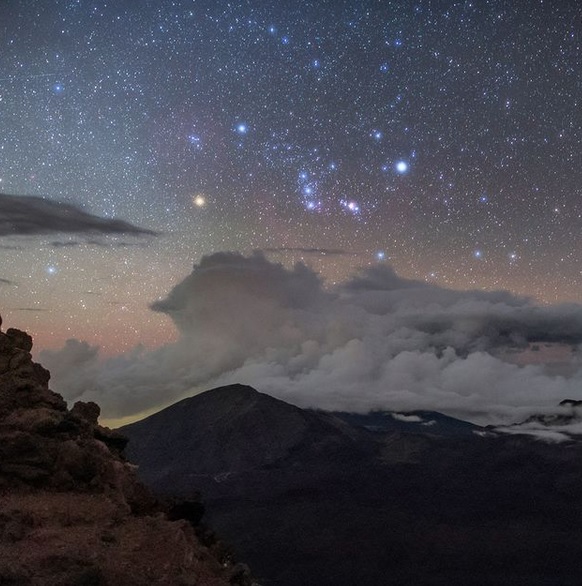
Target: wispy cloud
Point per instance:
(317, 251)
(93, 242)
(35, 215)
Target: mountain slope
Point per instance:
(424, 422)
(233, 431)
(308, 498)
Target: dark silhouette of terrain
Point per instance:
(72, 511)
(315, 498)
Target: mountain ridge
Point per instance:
(308, 498)
(229, 430)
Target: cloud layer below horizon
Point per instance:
(378, 341)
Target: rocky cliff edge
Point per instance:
(71, 509)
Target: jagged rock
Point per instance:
(23, 383)
(114, 440)
(20, 339)
(72, 510)
(88, 411)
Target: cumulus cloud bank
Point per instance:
(35, 215)
(377, 341)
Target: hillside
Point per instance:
(72, 511)
(309, 497)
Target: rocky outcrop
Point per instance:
(71, 508)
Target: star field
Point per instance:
(443, 137)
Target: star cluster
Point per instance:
(442, 137)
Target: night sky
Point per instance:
(439, 137)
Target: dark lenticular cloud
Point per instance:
(34, 215)
(378, 341)
(316, 251)
(98, 243)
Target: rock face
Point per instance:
(71, 508)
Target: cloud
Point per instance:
(545, 435)
(407, 418)
(378, 341)
(35, 215)
(99, 243)
(66, 244)
(318, 251)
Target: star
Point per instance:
(401, 167)
(199, 200)
(350, 206)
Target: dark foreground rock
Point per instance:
(72, 511)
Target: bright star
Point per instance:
(402, 167)
(51, 270)
(242, 128)
(350, 206)
(381, 255)
(199, 200)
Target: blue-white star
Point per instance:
(401, 167)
